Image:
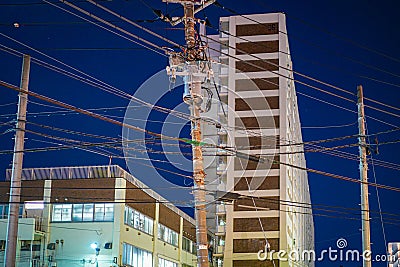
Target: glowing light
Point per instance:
(94, 245)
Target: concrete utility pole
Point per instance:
(192, 64)
(366, 239)
(16, 175)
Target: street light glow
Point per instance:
(94, 245)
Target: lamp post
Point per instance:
(96, 248)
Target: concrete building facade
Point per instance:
(96, 216)
(258, 115)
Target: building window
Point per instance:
(138, 220)
(87, 215)
(88, 212)
(82, 212)
(62, 212)
(4, 211)
(166, 263)
(168, 235)
(103, 212)
(133, 256)
(76, 213)
(188, 245)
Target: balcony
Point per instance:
(220, 230)
(219, 251)
(221, 209)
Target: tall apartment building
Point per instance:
(98, 216)
(259, 116)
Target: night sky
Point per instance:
(342, 43)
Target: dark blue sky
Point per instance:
(344, 43)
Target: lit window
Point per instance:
(76, 213)
(168, 235)
(104, 212)
(87, 212)
(134, 256)
(138, 220)
(62, 212)
(166, 263)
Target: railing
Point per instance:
(221, 229)
(220, 249)
(38, 224)
(221, 208)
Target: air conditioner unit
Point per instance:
(108, 245)
(51, 246)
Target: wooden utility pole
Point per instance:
(191, 64)
(16, 175)
(194, 99)
(366, 238)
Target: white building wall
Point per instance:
(295, 230)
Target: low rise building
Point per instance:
(96, 216)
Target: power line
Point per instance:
(155, 34)
(96, 83)
(94, 115)
(246, 131)
(297, 81)
(113, 26)
(295, 204)
(41, 3)
(329, 126)
(134, 24)
(354, 157)
(310, 43)
(380, 120)
(298, 73)
(119, 92)
(318, 27)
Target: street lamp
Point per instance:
(96, 247)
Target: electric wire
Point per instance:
(303, 40)
(335, 87)
(323, 30)
(377, 192)
(298, 81)
(289, 203)
(135, 24)
(148, 43)
(348, 92)
(99, 84)
(94, 115)
(305, 76)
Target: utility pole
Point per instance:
(366, 238)
(16, 175)
(193, 65)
